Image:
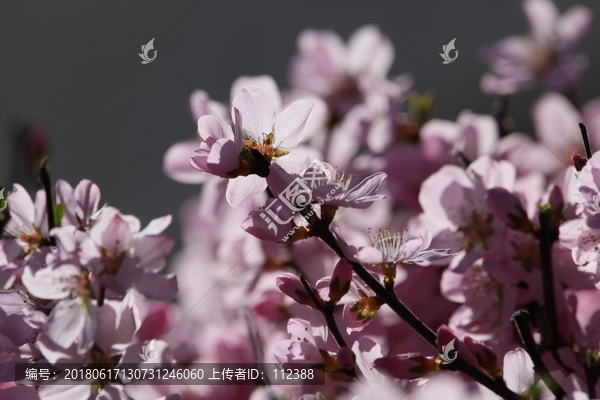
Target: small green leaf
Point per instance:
(59, 213)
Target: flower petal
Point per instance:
(224, 158)
(51, 283)
(66, 322)
(243, 187)
(22, 211)
(257, 108)
(264, 81)
(290, 123)
(87, 195)
(518, 371)
(370, 52)
(156, 286)
(211, 128)
(542, 16)
(112, 231)
(556, 121)
(369, 255)
(176, 163)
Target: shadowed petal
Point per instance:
(243, 187)
(176, 163)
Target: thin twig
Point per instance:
(547, 235)
(46, 183)
(460, 364)
(328, 313)
(501, 114)
(591, 379)
(586, 141)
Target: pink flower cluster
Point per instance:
(77, 289)
(341, 226)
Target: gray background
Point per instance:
(74, 64)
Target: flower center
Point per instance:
(389, 243)
(477, 230)
(84, 287)
(34, 240)
(366, 307)
(111, 262)
(266, 147)
(477, 283)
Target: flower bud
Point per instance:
(340, 280)
(444, 336)
(291, 286)
(578, 161)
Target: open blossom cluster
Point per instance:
(77, 289)
(340, 225)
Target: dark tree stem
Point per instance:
(500, 114)
(101, 296)
(329, 318)
(331, 324)
(522, 321)
(591, 374)
(547, 235)
(460, 364)
(586, 141)
(591, 379)
(47, 185)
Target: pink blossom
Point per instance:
(308, 341)
(118, 322)
(80, 204)
(473, 135)
(581, 234)
(21, 317)
(556, 124)
(176, 161)
(324, 185)
(27, 227)
(379, 120)
(547, 54)
(518, 373)
(220, 149)
(453, 201)
(120, 256)
(270, 136)
(486, 308)
(360, 196)
(395, 248)
(360, 308)
(74, 319)
(327, 67)
(291, 285)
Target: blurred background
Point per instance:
(71, 71)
